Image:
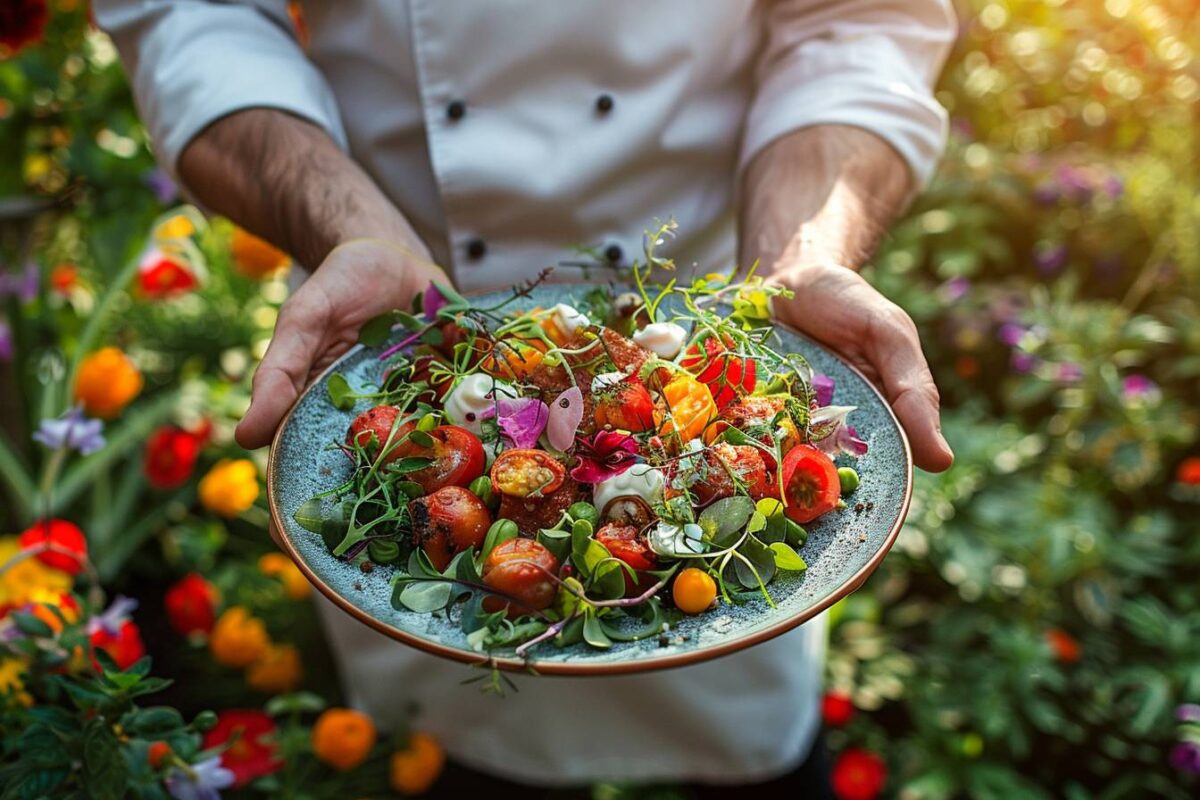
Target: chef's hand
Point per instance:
(838, 308)
(358, 280)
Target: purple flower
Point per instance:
(1050, 258)
(1021, 362)
(1069, 372)
(1011, 334)
(607, 455)
(112, 618)
(432, 301)
(201, 781)
(1188, 712)
(1074, 182)
(521, 419)
(829, 432)
(1046, 194)
(1113, 186)
(1185, 757)
(161, 184)
(22, 285)
(71, 431)
(823, 387)
(955, 289)
(7, 349)
(1138, 386)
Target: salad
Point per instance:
(588, 471)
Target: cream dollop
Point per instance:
(473, 397)
(664, 339)
(570, 319)
(641, 480)
(606, 380)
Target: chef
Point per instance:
(387, 144)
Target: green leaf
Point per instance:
(408, 464)
(30, 625)
(376, 330)
(761, 558)
(593, 632)
(340, 393)
(420, 438)
(787, 559)
(775, 522)
(295, 703)
(454, 300)
(724, 520)
(153, 722)
(310, 516)
(556, 541)
(425, 596)
(103, 766)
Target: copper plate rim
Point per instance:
(584, 669)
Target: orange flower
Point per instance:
(277, 565)
(254, 257)
(343, 738)
(230, 487)
(158, 753)
(277, 671)
(107, 381)
(1063, 645)
(414, 770)
(1188, 471)
(238, 639)
(690, 406)
(48, 605)
(64, 278)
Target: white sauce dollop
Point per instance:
(606, 380)
(472, 397)
(640, 480)
(664, 339)
(570, 319)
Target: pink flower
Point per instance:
(829, 431)
(566, 414)
(607, 455)
(823, 387)
(521, 419)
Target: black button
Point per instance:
(456, 110)
(476, 248)
(604, 103)
(614, 253)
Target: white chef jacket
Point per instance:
(508, 132)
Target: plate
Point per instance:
(843, 547)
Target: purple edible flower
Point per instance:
(113, 617)
(71, 431)
(823, 387)
(432, 301)
(1138, 387)
(832, 435)
(161, 185)
(201, 781)
(521, 419)
(1185, 757)
(607, 455)
(1050, 258)
(7, 349)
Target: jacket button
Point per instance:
(614, 253)
(476, 249)
(604, 103)
(456, 110)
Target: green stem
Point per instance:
(16, 477)
(95, 324)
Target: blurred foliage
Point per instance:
(1039, 621)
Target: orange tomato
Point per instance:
(687, 408)
(694, 591)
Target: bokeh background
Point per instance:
(1035, 633)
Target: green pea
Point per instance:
(481, 487)
(848, 478)
(501, 531)
(585, 511)
(383, 551)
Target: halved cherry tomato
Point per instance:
(810, 483)
(450, 520)
(457, 454)
(377, 422)
(730, 466)
(625, 406)
(627, 543)
(725, 374)
(524, 472)
(521, 569)
(687, 408)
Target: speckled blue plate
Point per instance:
(843, 547)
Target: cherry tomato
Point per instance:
(512, 360)
(627, 543)
(520, 569)
(626, 406)
(810, 483)
(725, 374)
(457, 454)
(450, 520)
(727, 467)
(376, 422)
(422, 370)
(694, 591)
(687, 408)
(525, 472)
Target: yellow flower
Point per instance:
(277, 671)
(11, 683)
(238, 639)
(230, 487)
(295, 585)
(106, 382)
(43, 602)
(254, 257)
(343, 738)
(414, 770)
(176, 227)
(37, 167)
(20, 582)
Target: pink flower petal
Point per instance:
(522, 420)
(431, 301)
(566, 414)
(607, 455)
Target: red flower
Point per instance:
(125, 647)
(837, 709)
(191, 605)
(69, 546)
(1188, 472)
(22, 22)
(63, 278)
(171, 455)
(607, 455)
(1064, 646)
(858, 775)
(250, 747)
(161, 276)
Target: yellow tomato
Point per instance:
(414, 770)
(107, 380)
(230, 487)
(687, 408)
(694, 591)
(238, 639)
(277, 565)
(278, 670)
(343, 738)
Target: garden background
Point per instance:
(1035, 632)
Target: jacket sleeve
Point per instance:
(191, 62)
(866, 63)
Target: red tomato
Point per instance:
(725, 462)
(376, 422)
(457, 454)
(627, 543)
(725, 374)
(447, 522)
(421, 369)
(520, 569)
(810, 481)
(626, 406)
(526, 472)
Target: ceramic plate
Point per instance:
(843, 547)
